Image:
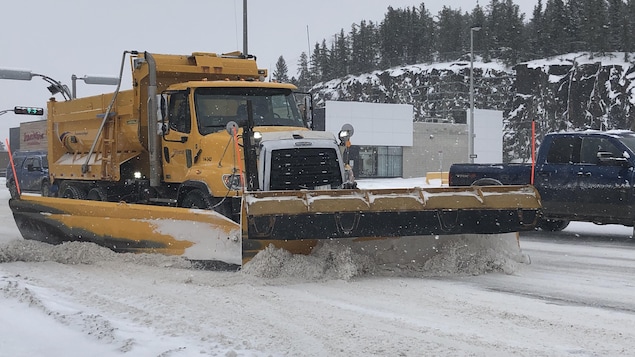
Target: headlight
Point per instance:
(257, 138)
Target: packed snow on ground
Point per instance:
(380, 299)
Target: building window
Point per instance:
(377, 161)
(389, 161)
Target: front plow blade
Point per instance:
(379, 213)
(194, 234)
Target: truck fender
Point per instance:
(487, 181)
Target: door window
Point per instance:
(179, 113)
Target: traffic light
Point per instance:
(28, 110)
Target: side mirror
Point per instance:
(345, 134)
(607, 158)
(163, 112)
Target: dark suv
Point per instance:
(32, 170)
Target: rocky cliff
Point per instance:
(567, 92)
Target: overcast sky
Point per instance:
(65, 37)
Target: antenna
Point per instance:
(245, 51)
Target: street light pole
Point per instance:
(470, 138)
(22, 75)
(92, 80)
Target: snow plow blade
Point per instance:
(198, 235)
(292, 215)
(292, 220)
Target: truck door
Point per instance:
(176, 160)
(556, 177)
(31, 173)
(605, 183)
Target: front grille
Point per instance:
(304, 169)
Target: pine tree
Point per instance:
(629, 23)
(536, 30)
(391, 38)
(555, 40)
(575, 33)
(595, 26)
(304, 82)
(481, 45)
(616, 25)
(450, 30)
(505, 30)
(340, 56)
(281, 73)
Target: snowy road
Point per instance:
(576, 298)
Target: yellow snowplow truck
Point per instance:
(204, 159)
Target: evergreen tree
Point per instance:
(391, 38)
(481, 45)
(505, 30)
(595, 28)
(555, 40)
(536, 30)
(629, 26)
(426, 35)
(616, 25)
(324, 62)
(575, 15)
(451, 28)
(281, 73)
(315, 69)
(340, 56)
(304, 82)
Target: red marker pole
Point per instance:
(533, 150)
(15, 175)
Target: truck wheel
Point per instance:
(46, 189)
(197, 199)
(553, 225)
(97, 194)
(13, 190)
(74, 192)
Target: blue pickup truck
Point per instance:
(32, 171)
(581, 176)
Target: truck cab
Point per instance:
(32, 171)
(588, 176)
(209, 126)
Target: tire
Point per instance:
(97, 194)
(13, 190)
(202, 200)
(552, 225)
(486, 181)
(46, 189)
(73, 192)
(197, 199)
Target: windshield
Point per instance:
(629, 141)
(215, 107)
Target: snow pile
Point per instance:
(328, 261)
(72, 253)
(412, 256)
